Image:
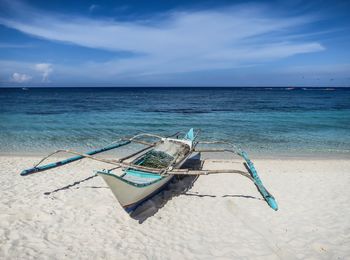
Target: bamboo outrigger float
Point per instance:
(137, 176)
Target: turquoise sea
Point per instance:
(265, 121)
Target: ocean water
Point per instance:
(264, 121)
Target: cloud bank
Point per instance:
(20, 78)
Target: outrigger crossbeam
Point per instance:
(116, 144)
(252, 171)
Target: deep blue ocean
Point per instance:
(264, 121)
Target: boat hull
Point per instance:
(130, 195)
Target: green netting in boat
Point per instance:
(156, 159)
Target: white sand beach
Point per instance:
(68, 213)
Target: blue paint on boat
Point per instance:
(142, 174)
(190, 135)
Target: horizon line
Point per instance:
(267, 86)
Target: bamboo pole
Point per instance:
(217, 150)
(80, 156)
(113, 162)
(37, 168)
(138, 141)
(206, 172)
(252, 171)
(135, 153)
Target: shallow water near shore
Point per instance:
(266, 122)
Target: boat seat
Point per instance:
(140, 177)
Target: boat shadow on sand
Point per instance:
(179, 186)
(75, 184)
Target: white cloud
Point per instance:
(46, 69)
(93, 7)
(20, 78)
(173, 42)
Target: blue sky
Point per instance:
(174, 43)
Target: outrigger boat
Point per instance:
(138, 176)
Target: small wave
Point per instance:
(177, 111)
(224, 110)
(46, 112)
(319, 89)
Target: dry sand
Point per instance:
(68, 213)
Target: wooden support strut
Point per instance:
(114, 145)
(135, 153)
(138, 141)
(253, 173)
(206, 172)
(37, 168)
(82, 155)
(163, 171)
